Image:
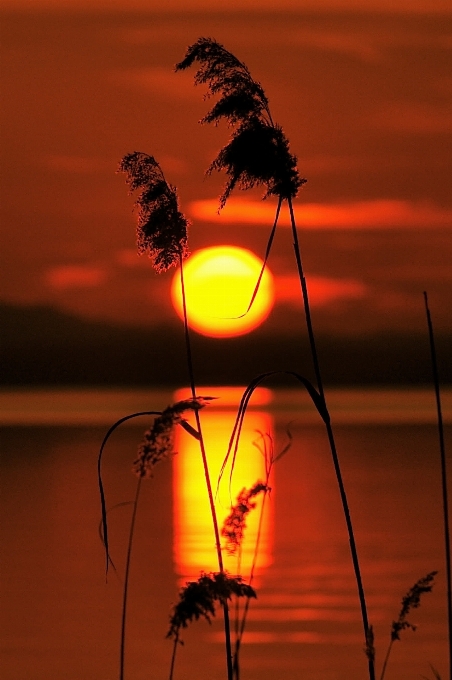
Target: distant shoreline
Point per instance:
(102, 407)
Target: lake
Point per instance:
(60, 619)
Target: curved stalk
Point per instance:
(227, 626)
(103, 502)
(337, 469)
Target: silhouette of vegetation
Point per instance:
(162, 228)
(159, 439)
(257, 154)
(162, 232)
(157, 444)
(235, 523)
(411, 600)
(198, 598)
(442, 450)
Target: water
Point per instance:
(60, 619)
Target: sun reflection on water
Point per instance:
(194, 544)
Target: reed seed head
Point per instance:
(162, 228)
(258, 151)
(412, 600)
(158, 441)
(198, 598)
(235, 523)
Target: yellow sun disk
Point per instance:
(219, 283)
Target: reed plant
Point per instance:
(162, 233)
(442, 451)
(257, 154)
(411, 600)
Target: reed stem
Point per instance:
(126, 582)
(385, 663)
(173, 657)
(353, 550)
(241, 629)
(442, 448)
(227, 625)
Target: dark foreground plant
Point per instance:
(442, 450)
(157, 445)
(258, 155)
(235, 524)
(162, 228)
(162, 233)
(412, 600)
(198, 598)
(436, 675)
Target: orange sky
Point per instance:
(409, 6)
(363, 97)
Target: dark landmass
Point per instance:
(43, 346)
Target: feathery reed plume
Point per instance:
(258, 154)
(198, 598)
(264, 444)
(162, 232)
(442, 450)
(162, 228)
(235, 523)
(411, 600)
(258, 151)
(157, 444)
(158, 441)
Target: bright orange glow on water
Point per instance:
(194, 544)
(219, 284)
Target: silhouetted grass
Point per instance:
(412, 600)
(442, 449)
(197, 599)
(258, 155)
(162, 233)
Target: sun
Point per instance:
(219, 284)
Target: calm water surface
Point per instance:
(60, 619)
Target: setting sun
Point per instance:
(219, 284)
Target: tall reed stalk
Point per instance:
(258, 154)
(442, 449)
(227, 626)
(234, 530)
(162, 233)
(104, 533)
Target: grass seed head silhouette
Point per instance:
(198, 598)
(258, 151)
(412, 600)
(162, 228)
(235, 523)
(158, 441)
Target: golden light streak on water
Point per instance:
(194, 543)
